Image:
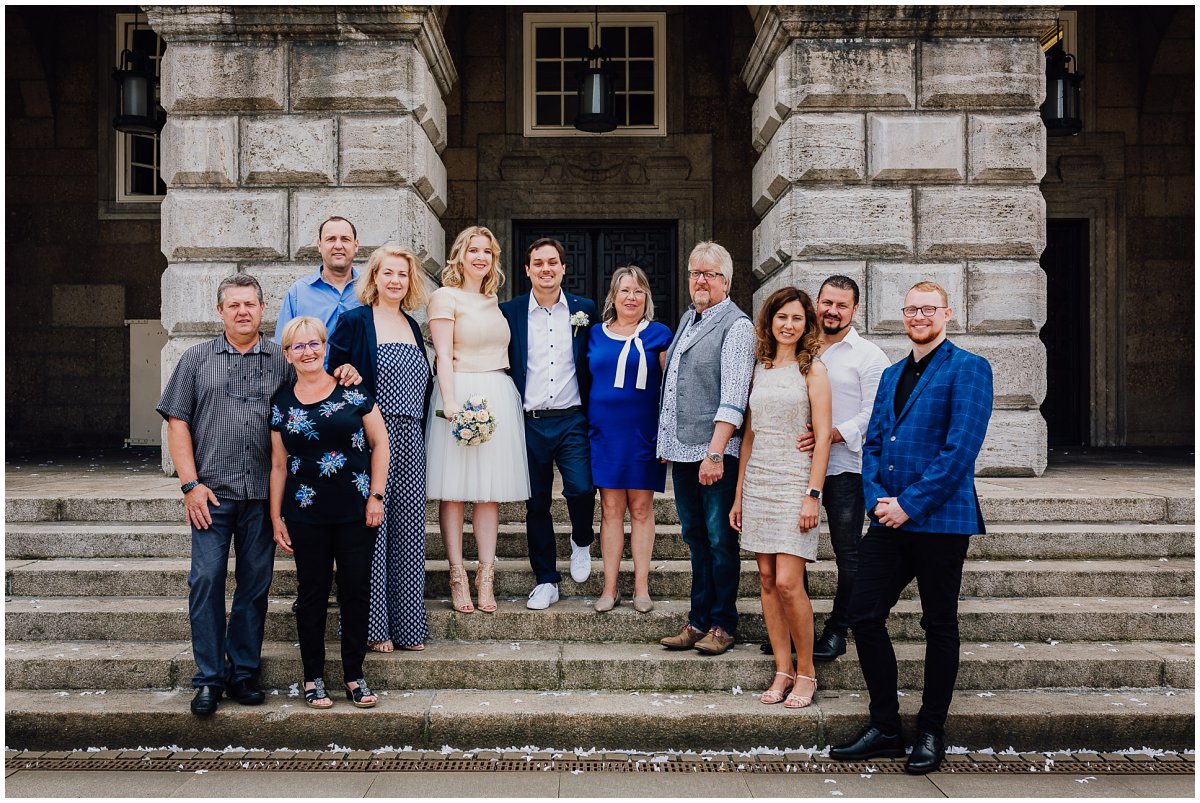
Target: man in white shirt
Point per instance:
(547, 356)
(855, 366)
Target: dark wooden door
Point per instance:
(595, 249)
(1067, 408)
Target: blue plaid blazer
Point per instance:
(925, 457)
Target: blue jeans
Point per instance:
(843, 500)
(227, 654)
(713, 543)
(562, 440)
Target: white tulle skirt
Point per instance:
(496, 471)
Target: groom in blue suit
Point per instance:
(927, 426)
(547, 355)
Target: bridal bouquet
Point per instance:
(473, 424)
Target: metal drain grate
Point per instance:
(771, 765)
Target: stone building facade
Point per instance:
(887, 143)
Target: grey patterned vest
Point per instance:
(698, 383)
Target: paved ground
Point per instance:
(25, 783)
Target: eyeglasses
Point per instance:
(298, 348)
(911, 312)
(696, 275)
(637, 291)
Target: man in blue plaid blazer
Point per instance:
(927, 427)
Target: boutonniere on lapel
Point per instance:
(578, 320)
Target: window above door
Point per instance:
(554, 48)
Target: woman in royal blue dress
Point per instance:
(329, 461)
(627, 354)
(384, 342)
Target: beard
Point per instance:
(930, 335)
(833, 330)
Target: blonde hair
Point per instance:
(452, 274)
(610, 301)
(930, 287)
(288, 336)
(714, 254)
(368, 293)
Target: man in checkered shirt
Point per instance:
(927, 426)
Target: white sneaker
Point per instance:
(542, 596)
(581, 562)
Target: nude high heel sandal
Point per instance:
(484, 578)
(460, 596)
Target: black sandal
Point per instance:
(356, 695)
(317, 692)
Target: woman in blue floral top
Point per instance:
(329, 461)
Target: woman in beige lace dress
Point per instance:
(777, 503)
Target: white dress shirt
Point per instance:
(550, 382)
(855, 366)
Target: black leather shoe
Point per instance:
(871, 743)
(205, 701)
(765, 649)
(829, 646)
(926, 755)
(245, 692)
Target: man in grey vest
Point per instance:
(704, 393)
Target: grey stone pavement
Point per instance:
(44, 783)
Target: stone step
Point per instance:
(1167, 577)
(73, 539)
(544, 665)
(1000, 504)
(1025, 720)
(1000, 620)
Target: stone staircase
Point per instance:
(1078, 616)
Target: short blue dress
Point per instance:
(623, 407)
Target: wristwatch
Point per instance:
(815, 494)
(378, 496)
(187, 486)
(716, 457)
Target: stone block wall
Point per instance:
(276, 123)
(74, 271)
(896, 158)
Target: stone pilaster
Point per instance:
(279, 117)
(904, 143)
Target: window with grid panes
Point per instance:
(555, 45)
(137, 173)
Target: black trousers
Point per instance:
(351, 545)
(843, 501)
(888, 560)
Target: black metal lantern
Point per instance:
(1060, 110)
(137, 109)
(597, 93)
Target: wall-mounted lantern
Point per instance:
(1061, 110)
(597, 93)
(137, 110)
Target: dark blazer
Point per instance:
(516, 312)
(925, 457)
(353, 342)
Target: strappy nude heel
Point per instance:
(460, 596)
(485, 576)
(774, 696)
(797, 701)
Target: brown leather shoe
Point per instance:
(715, 641)
(686, 639)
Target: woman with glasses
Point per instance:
(470, 337)
(626, 355)
(776, 507)
(329, 463)
(384, 340)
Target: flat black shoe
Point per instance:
(205, 702)
(926, 755)
(871, 743)
(829, 646)
(245, 692)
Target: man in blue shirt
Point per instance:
(328, 292)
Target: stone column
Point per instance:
(278, 118)
(905, 143)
